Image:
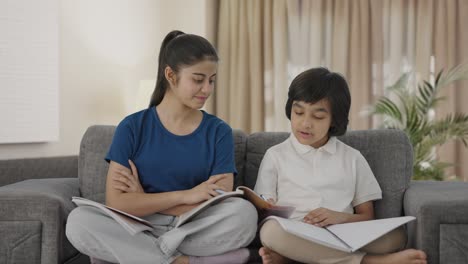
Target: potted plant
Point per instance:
(411, 108)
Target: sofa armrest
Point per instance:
(441, 226)
(16, 170)
(32, 219)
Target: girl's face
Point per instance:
(310, 122)
(195, 83)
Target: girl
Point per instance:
(183, 156)
(328, 181)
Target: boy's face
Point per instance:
(310, 122)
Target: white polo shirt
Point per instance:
(334, 176)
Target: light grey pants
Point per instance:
(223, 227)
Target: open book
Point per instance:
(130, 222)
(348, 237)
(135, 224)
(263, 207)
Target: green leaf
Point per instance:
(407, 109)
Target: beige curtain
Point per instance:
(450, 43)
(334, 34)
(253, 54)
(359, 65)
(264, 44)
(252, 74)
(276, 65)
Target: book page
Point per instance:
(130, 222)
(265, 208)
(359, 234)
(187, 216)
(310, 232)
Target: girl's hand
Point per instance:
(324, 217)
(204, 191)
(128, 182)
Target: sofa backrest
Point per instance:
(16, 170)
(388, 152)
(92, 168)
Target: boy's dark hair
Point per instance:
(316, 84)
(179, 49)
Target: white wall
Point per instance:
(106, 48)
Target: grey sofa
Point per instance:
(35, 195)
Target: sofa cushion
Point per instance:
(92, 168)
(257, 145)
(240, 142)
(388, 152)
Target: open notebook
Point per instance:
(348, 237)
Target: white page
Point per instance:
(130, 222)
(359, 234)
(310, 232)
(187, 216)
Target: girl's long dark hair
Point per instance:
(179, 49)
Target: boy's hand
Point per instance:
(323, 217)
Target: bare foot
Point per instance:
(408, 256)
(181, 260)
(271, 257)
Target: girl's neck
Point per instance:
(171, 107)
(177, 117)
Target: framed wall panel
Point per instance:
(29, 71)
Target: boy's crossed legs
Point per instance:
(294, 248)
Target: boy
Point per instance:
(327, 181)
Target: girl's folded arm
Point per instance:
(138, 203)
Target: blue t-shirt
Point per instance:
(168, 162)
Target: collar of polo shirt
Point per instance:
(329, 147)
